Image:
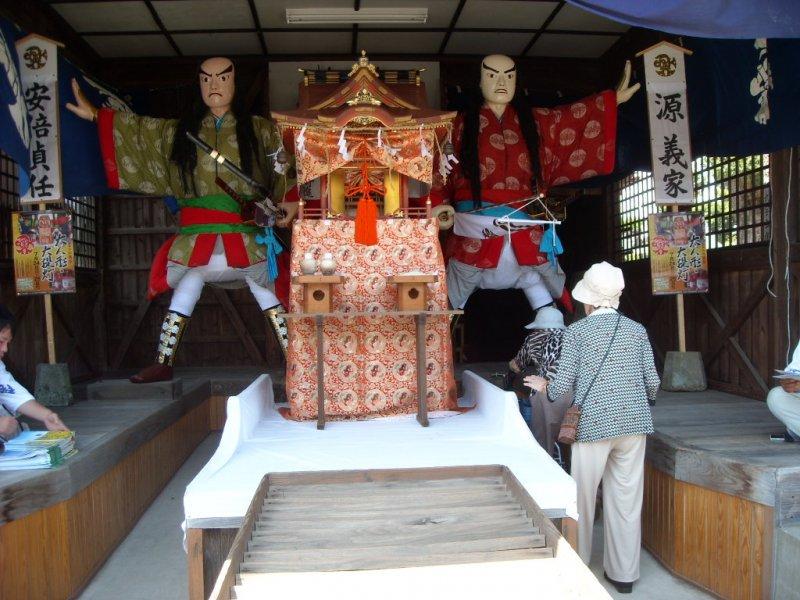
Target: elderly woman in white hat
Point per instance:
(539, 354)
(607, 363)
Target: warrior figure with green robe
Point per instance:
(214, 244)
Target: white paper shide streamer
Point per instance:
(343, 147)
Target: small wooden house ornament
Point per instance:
(317, 291)
(412, 290)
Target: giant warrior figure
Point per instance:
(508, 154)
(214, 244)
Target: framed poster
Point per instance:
(678, 257)
(44, 259)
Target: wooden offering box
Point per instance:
(317, 291)
(412, 290)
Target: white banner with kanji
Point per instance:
(38, 61)
(668, 111)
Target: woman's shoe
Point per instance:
(623, 587)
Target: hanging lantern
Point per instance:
(282, 157)
(448, 148)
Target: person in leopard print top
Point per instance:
(539, 354)
(542, 348)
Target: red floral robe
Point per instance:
(576, 141)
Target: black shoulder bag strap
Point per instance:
(602, 362)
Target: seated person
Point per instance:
(539, 356)
(784, 402)
(15, 399)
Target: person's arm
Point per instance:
(792, 386)
(9, 428)
(34, 410)
(651, 379)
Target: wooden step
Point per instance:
(408, 515)
(449, 531)
(403, 557)
(397, 497)
(434, 502)
(462, 539)
(378, 486)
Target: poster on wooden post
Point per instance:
(678, 257)
(44, 258)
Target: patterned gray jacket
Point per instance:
(617, 403)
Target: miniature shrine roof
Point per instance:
(362, 99)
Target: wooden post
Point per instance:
(681, 315)
(783, 181)
(681, 324)
(48, 317)
(422, 368)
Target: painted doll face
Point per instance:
(498, 79)
(217, 84)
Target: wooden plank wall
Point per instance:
(717, 541)
(81, 532)
(78, 322)
(135, 229)
(739, 327)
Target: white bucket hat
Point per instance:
(601, 285)
(547, 317)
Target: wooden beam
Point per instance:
(78, 348)
(257, 23)
(538, 34)
(354, 42)
(747, 307)
(739, 352)
(783, 213)
(160, 24)
(453, 21)
(130, 333)
(238, 325)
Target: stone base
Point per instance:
(684, 372)
(53, 386)
(122, 389)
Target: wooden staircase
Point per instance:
(351, 521)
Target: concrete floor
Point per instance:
(150, 564)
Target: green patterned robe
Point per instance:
(140, 157)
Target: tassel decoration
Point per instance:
(273, 249)
(366, 222)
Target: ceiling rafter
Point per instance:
(163, 29)
(544, 27)
(257, 23)
(453, 21)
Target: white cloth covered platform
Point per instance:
(258, 440)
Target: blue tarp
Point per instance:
(720, 78)
(81, 165)
(14, 129)
(729, 19)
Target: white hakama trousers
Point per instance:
(187, 291)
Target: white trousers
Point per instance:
(786, 408)
(190, 286)
(619, 463)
